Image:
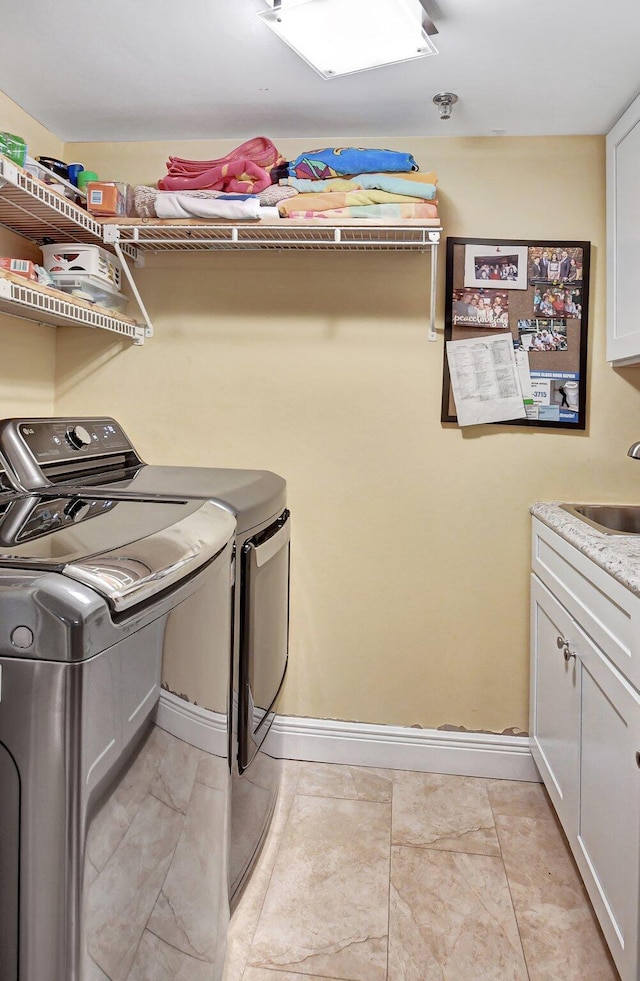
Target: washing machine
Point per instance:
(95, 454)
(94, 594)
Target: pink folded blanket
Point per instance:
(239, 176)
(244, 170)
(260, 150)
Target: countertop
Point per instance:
(619, 555)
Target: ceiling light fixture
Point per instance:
(339, 37)
(445, 101)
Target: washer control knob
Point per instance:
(78, 437)
(77, 509)
(22, 637)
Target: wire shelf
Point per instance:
(27, 302)
(189, 236)
(33, 210)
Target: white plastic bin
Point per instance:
(78, 258)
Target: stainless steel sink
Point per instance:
(609, 519)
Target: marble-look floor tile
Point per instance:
(264, 771)
(251, 810)
(451, 918)
(245, 918)
(213, 771)
(326, 910)
(514, 798)
(289, 777)
(176, 773)
(110, 824)
(560, 935)
(449, 813)
(157, 961)
(92, 972)
(350, 782)
(260, 974)
(192, 911)
(124, 893)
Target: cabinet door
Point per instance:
(623, 237)
(608, 852)
(555, 703)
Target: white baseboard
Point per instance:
(197, 726)
(358, 744)
(399, 748)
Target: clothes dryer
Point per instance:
(82, 455)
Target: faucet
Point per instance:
(634, 451)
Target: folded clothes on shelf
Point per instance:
(330, 200)
(411, 185)
(238, 175)
(259, 149)
(150, 203)
(246, 169)
(336, 161)
(384, 212)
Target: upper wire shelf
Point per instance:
(187, 235)
(32, 209)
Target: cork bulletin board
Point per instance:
(538, 293)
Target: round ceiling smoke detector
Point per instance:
(445, 101)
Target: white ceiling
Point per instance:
(202, 69)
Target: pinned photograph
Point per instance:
(550, 264)
(539, 335)
(504, 266)
(557, 300)
(480, 308)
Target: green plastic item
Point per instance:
(13, 147)
(84, 177)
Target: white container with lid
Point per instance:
(81, 259)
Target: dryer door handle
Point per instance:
(262, 553)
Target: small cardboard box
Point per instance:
(109, 199)
(21, 267)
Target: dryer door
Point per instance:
(264, 637)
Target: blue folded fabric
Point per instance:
(334, 161)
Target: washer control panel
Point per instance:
(56, 440)
(78, 437)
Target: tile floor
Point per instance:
(379, 875)
(154, 872)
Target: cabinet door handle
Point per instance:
(638, 760)
(563, 645)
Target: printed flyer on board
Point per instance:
(555, 395)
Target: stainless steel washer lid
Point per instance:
(125, 550)
(253, 496)
(84, 453)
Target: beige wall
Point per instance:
(27, 350)
(411, 540)
(39, 140)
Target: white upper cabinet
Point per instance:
(623, 238)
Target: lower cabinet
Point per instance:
(585, 728)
